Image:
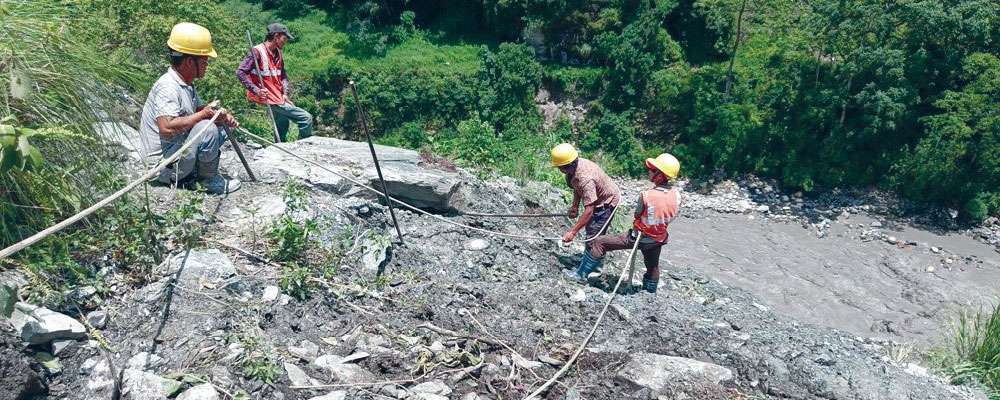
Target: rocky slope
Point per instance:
(463, 315)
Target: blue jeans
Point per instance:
(205, 150)
(283, 113)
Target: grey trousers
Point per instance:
(205, 150)
(285, 113)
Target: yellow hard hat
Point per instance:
(191, 39)
(666, 163)
(563, 154)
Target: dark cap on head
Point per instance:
(279, 28)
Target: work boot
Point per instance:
(587, 265)
(209, 178)
(649, 285)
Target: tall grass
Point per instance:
(973, 350)
(53, 78)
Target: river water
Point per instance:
(869, 288)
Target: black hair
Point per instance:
(272, 35)
(177, 58)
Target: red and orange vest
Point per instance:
(661, 210)
(270, 70)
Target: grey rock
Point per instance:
(97, 319)
(209, 266)
(20, 375)
(100, 383)
(471, 396)
(342, 372)
(876, 224)
(337, 395)
(39, 325)
(139, 385)
(656, 372)
(297, 376)
(354, 357)
(892, 240)
(404, 174)
(271, 293)
(307, 351)
(63, 347)
(8, 297)
(477, 244)
(375, 252)
(145, 361)
(431, 396)
(432, 387)
(204, 391)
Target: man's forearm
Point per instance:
(178, 125)
(588, 212)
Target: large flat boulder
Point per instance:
(405, 175)
(38, 325)
(657, 372)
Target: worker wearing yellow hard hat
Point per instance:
(655, 210)
(592, 188)
(173, 110)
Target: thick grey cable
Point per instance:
(101, 204)
(600, 318)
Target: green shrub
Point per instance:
(972, 353)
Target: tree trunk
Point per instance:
(843, 106)
(736, 46)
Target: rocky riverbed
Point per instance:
(764, 295)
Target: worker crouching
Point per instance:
(173, 111)
(656, 209)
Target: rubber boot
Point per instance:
(587, 265)
(649, 285)
(209, 178)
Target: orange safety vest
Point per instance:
(270, 70)
(661, 210)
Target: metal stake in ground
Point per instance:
(257, 67)
(364, 126)
(236, 146)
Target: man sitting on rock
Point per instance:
(591, 186)
(173, 111)
(655, 210)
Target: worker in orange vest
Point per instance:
(655, 210)
(274, 91)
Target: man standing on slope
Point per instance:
(274, 90)
(173, 111)
(655, 210)
(592, 187)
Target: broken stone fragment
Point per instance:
(204, 391)
(97, 319)
(337, 395)
(307, 351)
(39, 325)
(334, 367)
(657, 372)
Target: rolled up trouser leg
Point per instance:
(603, 244)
